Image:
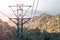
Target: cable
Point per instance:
(32, 8)
(7, 16)
(36, 6)
(4, 14)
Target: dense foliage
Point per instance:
(32, 34)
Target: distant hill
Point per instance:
(6, 31)
(37, 20)
(3, 23)
(44, 22)
(50, 23)
(41, 26)
(10, 23)
(53, 24)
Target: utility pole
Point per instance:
(20, 19)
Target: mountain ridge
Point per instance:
(42, 21)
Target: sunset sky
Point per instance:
(48, 6)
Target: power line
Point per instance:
(32, 7)
(7, 17)
(36, 6)
(4, 14)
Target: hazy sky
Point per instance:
(49, 6)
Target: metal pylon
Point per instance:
(20, 19)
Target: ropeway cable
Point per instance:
(36, 7)
(4, 14)
(32, 8)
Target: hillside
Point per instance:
(3, 23)
(40, 27)
(10, 23)
(37, 20)
(44, 21)
(53, 25)
(6, 31)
